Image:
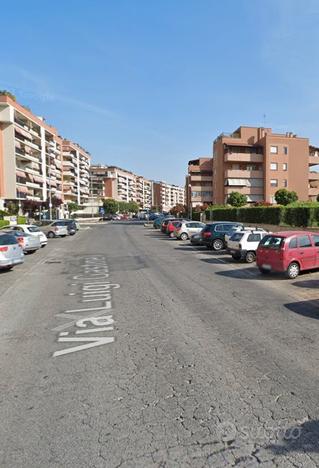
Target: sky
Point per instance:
(148, 85)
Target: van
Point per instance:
(288, 252)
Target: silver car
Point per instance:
(55, 229)
(10, 251)
(186, 229)
(32, 230)
(28, 243)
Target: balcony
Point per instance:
(201, 178)
(243, 157)
(243, 174)
(313, 160)
(313, 176)
(245, 190)
(313, 191)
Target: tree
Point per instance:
(284, 197)
(73, 206)
(178, 210)
(317, 198)
(4, 92)
(110, 206)
(237, 199)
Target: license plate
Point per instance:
(266, 266)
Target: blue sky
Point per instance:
(148, 84)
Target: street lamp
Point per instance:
(190, 201)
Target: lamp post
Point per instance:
(190, 202)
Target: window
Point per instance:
(285, 149)
(316, 239)
(285, 167)
(285, 183)
(304, 241)
(219, 228)
(253, 238)
(272, 242)
(237, 236)
(274, 182)
(293, 243)
(273, 166)
(274, 149)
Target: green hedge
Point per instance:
(3, 223)
(196, 216)
(22, 220)
(301, 215)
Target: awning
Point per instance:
(22, 132)
(38, 179)
(22, 189)
(21, 174)
(236, 182)
(30, 177)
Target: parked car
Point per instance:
(166, 221)
(70, 224)
(158, 221)
(288, 252)
(214, 234)
(186, 229)
(55, 229)
(31, 229)
(171, 225)
(243, 245)
(229, 234)
(196, 239)
(153, 216)
(11, 253)
(29, 243)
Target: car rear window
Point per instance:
(8, 239)
(316, 239)
(293, 243)
(237, 236)
(272, 242)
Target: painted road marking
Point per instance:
(93, 287)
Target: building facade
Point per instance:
(76, 173)
(121, 185)
(257, 162)
(30, 156)
(199, 182)
(166, 196)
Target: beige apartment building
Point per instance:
(121, 185)
(76, 173)
(166, 196)
(199, 182)
(257, 162)
(30, 156)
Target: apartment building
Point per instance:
(76, 173)
(257, 162)
(121, 185)
(199, 182)
(166, 196)
(30, 156)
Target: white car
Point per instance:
(32, 230)
(11, 252)
(185, 229)
(243, 244)
(241, 229)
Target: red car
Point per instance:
(288, 252)
(171, 226)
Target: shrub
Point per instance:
(284, 197)
(3, 223)
(21, 220)
(196, 216)
(237, 199)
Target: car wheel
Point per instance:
(51, 235)
(218, 244)
(263, 271)
(184, 236)
(250, 257)
(293, 270)
(236, 256)
(171, 235)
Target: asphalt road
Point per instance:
(190, 359)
